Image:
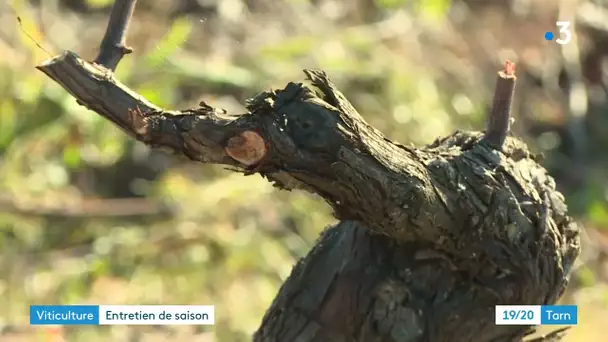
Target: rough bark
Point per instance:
(515, 245)
(430, 238)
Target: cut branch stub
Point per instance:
(248, 148)
(500, 115)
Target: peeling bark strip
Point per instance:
(430, 238)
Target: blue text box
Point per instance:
(64, 314)
(558, 315)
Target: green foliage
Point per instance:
(99, 3)
(428, 9)
(586, 276)
(598, 213)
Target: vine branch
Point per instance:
(113, 45)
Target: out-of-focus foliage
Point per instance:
(89, 216)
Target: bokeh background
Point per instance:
(87, 215)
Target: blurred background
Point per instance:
(87, 215)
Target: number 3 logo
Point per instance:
(564, 29)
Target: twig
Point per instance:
(98, 208)
(555, 335)
(500, 116)
(113, 46)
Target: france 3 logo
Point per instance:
(565, 33)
